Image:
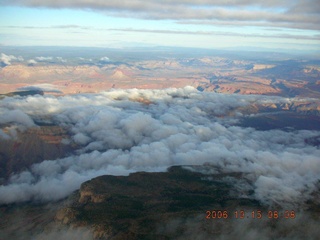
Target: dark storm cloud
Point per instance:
(284, 12)
(117, 134)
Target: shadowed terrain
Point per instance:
(178, 204)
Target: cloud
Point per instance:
(52, 27)
(43, 59)
(276, 25)
(47, 59)
(15, 116)
(17, 120)
(283, 12)
(32, 62)
(60, 59)
(80, 233)
(26, 229)
(286, 36)
(4, 136)
(104, 60)
(70, 27)
(45, 87)
(117, 134)
(7, 59)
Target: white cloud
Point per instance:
(15, 116)
(43, 59)
(117, 135)
(60, 59)
(104, 59)
(32, 62)
(7, 59)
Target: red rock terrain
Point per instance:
(207, 73)
(32, 146)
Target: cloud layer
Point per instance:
(123, 131)
(283, 13)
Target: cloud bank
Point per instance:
(124, 131)
(289, 14)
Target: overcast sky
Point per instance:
(188, 23)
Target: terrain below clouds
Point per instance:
(57, 154)
(123, 131)
(79, 70)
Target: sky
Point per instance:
(283, 24)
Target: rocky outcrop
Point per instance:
(133, 207)
(180, 203)
(66, 215)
